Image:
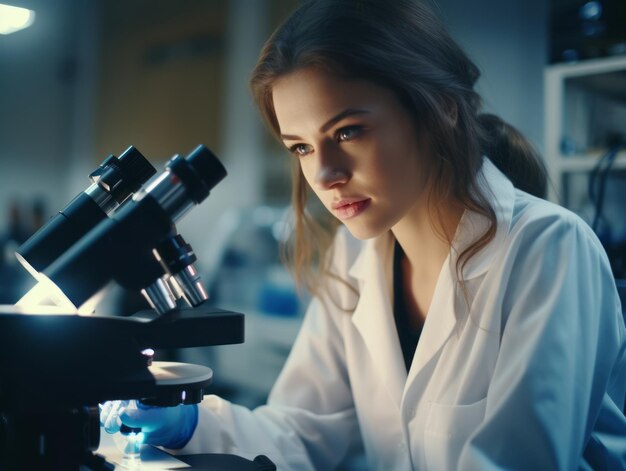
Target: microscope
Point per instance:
(58, 364)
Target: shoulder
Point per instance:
(538, 222)
(527, 221)
(552, 266)
(546, 247)
(553, 246)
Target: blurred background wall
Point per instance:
(89, 78)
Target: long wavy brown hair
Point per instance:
(401, 45)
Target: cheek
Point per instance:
(397, 160)
(410, 161)
(404, 171)
(309, 172)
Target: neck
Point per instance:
(425, 237)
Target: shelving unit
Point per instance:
(585, 105)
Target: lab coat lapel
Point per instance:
(440, 322)
(373, 316)
(445, 314)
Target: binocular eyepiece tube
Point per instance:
(122, 247)
(114, 181)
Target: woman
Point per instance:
(458, 321)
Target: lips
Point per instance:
(350, 207)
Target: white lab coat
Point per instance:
(525, 369)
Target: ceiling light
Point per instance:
(13, 19)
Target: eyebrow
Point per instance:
(330, 123)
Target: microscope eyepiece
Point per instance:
(200, 171)
(186, 182)
(123, 176)
(207, 166)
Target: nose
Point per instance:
(330, 172)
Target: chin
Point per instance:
(364, 232)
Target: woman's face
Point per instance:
(357, 147)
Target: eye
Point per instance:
(348, 133)
(300, 150)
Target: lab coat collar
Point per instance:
(373, 315)
(501, 194)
